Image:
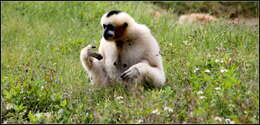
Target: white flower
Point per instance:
(218, 119)
(217, 61)
(38, 115)
(168, 109)
(232, 122)
(119, 97)
(218, 88)
(207, 70)
(140, 121)
(185, 42)
(60, 111)
(223, 70)
(199, 92)
(196, 69)
(191, 113)
(8, 107)
(155, 112)
(231, 105)
(227, 120)
(42, 87)
(202, 97)
(220, 48)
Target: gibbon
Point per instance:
(128, 53)
(198, 18)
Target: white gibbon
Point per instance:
(128, 53)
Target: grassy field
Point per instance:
(212, 69)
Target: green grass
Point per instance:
(43, 81)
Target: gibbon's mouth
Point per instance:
(109, 35)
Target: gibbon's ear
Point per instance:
(125, 25)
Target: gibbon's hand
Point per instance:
(131, 73)
(89, 51)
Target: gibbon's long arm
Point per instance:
(151, 74)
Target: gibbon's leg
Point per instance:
(94, 67)
(143, 71)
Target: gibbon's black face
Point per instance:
(109, 31)
(112, 32)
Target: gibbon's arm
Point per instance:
(92, 64)
(154, 75)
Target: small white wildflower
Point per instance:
(42, 87)
(223, 70)
(231, 105)
(191, 114)
(232, 122)
(218, 119)
(207, 70)
(140, 121)
(185, 42)
(8, 107)
(202, 97)
(119, 97)
(168, 109)
(155, 112)
(38, 115)
(227, 120)
(218, 88)
(196, 69)
(60, 111)
(217, 60)
(221, 61)
(199, 92)
(220, 48)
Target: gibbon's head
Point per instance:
(115, 24)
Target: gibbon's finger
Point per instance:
(93, 47)
(125, 74)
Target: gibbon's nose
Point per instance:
(109, 35)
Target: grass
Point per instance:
(42, 80)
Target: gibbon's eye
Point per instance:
(104, 26)
(110, 27)
(125, 25)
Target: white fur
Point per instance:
(143, 59)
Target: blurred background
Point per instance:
(218, 9)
